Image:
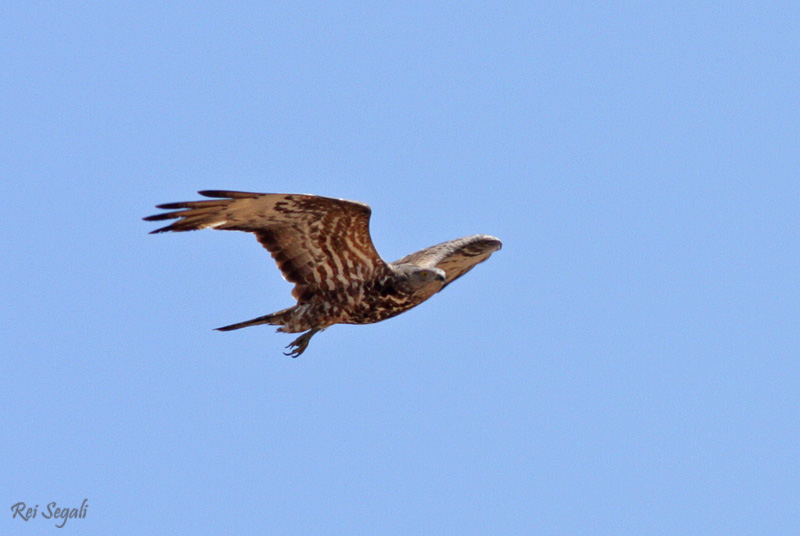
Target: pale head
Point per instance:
(420, 280)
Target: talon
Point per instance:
(299, 345)
(295, 351)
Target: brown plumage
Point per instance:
(323, 246)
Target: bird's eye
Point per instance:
(423, 273)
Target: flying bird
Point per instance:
(323, 246)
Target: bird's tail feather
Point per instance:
(254, 322)
(274, 319)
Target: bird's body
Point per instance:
(322, 245)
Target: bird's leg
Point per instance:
(301, 343)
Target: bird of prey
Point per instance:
(323, 246)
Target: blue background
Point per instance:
(627, 364)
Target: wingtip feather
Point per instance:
(228, 194)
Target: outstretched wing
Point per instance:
(456, 257)
(319, 243)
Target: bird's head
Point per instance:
(421, 280)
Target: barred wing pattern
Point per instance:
(319, 243)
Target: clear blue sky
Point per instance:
(627, 364)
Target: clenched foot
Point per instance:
(301, 343)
